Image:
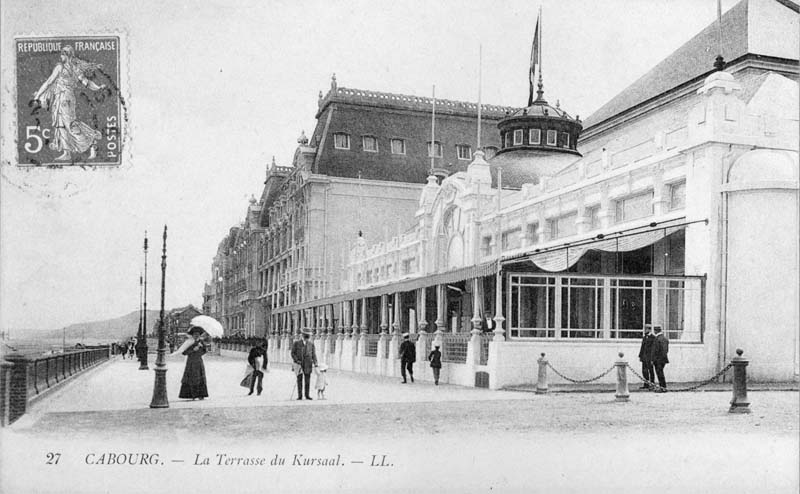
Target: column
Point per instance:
(477, 302)
(397, 313)
(421, 309)
(384, 313)
(441, 303)
(363, 316)
(499, 332)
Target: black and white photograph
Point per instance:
(348, 246)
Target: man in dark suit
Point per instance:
(304, 357)
(659, 358)
(645, 356)
(258, 362)
(408, 355)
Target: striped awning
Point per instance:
(456, 275)
(562, 257)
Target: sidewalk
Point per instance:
(120, 385)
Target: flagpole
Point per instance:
(433, 129)
(480, 62)
(719, 62)
(540, 92)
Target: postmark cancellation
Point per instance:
(70, 107)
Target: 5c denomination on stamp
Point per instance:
(70, 109)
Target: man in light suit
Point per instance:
(304, 357)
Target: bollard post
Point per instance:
(622, 379)
(739, 402)
(541, 383)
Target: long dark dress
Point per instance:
(193, 383)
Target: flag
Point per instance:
(534, 60)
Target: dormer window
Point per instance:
(434, 150)
(369, 143)
(518, 137)
(463, 151)
(535, 137)
(398, 146)
(341, 140)
(551, 137)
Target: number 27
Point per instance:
(52, 458)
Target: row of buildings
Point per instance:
(674, 205)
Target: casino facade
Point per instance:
(674, 205)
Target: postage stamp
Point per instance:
(70, 108)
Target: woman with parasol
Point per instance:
(193, 383)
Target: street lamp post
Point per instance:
(160, 386)
(142, 343)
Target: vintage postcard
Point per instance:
(464, 246)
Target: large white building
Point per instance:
(675, 205)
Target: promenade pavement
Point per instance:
(373, 434)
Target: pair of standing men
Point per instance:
(653, 355)
(304, 358)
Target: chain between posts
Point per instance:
(581, 381)
(690, 388)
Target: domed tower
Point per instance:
(537, 140)
(541, 127)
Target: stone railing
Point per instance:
(24, 379)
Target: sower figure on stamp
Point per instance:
(304, 357)
(645, 357)
(408, 355)
(659, 358)
(57, 94)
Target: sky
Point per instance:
(216, 89)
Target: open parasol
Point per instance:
(208, 324)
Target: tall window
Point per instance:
(511, 239)
(398, 146)
(634, 207)
(533, 233)
(551, 137)
(507, 141)
(564, 139)
(341, 141)
(533, 306)
(677, 195)
(370, 144)
(593, 216)
(535, 136)
(518, 137)
(463, 151)
(581, 307)
(486, 245)
(435, 150)
(563, 226)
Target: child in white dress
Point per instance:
(322, 381)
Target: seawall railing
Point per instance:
(25, 379)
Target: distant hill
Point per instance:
(109, 330)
